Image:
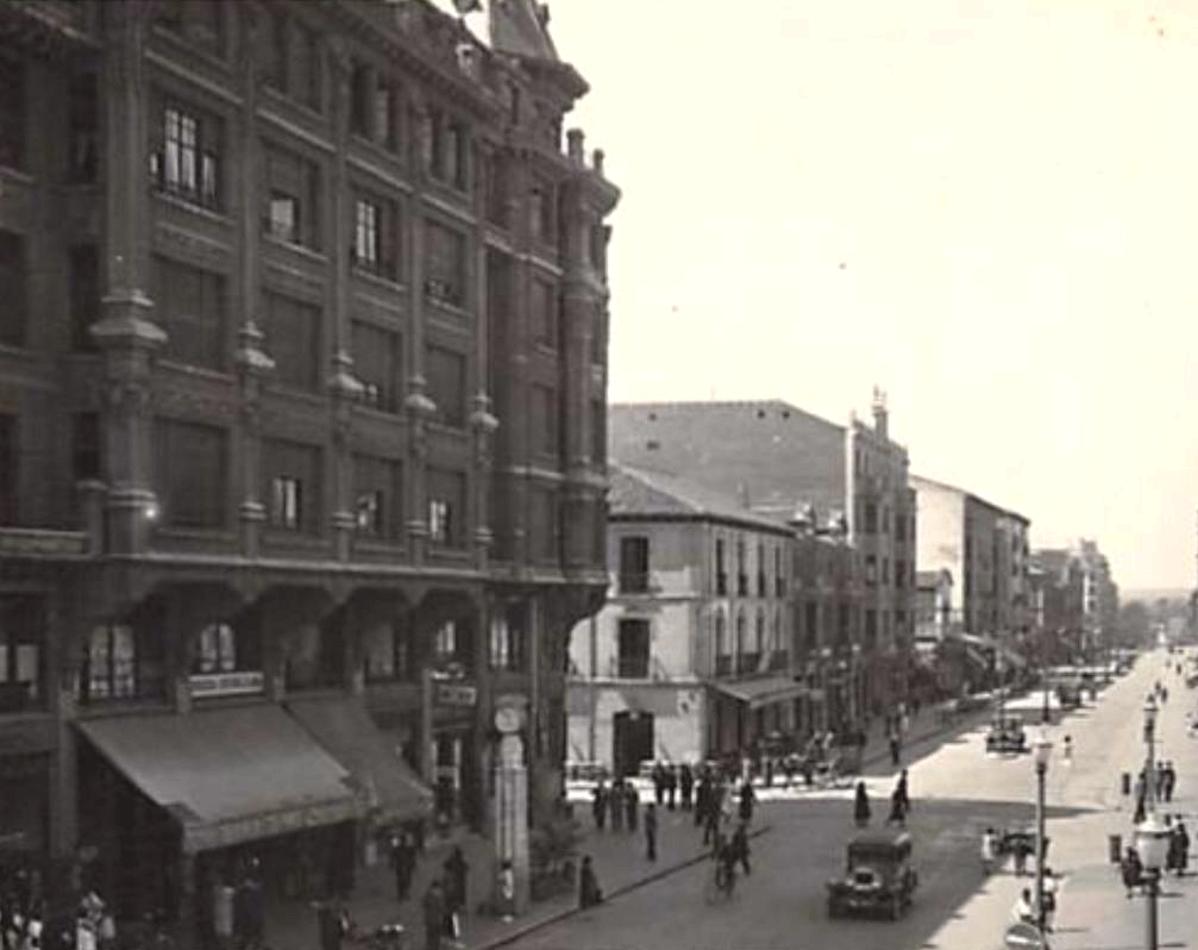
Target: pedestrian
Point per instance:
(671, 787)
(989, 850)
(632, 801)
(457, 874)
(686, 783)
(747, 799)
(599, 805)
(651, 831)
(1170, 779)
(740, 847)
(901, 790)
(1159, 776)
(249, 909)
(702, 793)
(589, 892)
(861, 806)
(898, 814)
(330, 925)
(433, 906)
(1020, 849)
(1181, 838)
(403, 859)
(1067, 750)
(895, 748)
(659, 783)
(1050, 898)
(1131, 870)
(615, 802)
(1022, 912)
(711, 818)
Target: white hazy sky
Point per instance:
(987, 207)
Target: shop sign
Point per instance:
(226, 684)
(25, 541)
(455, 694)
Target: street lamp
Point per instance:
(1150, 765)
(1152, 845)
(1041, 752)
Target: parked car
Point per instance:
(878, 876)
(1006, 735)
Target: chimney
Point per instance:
(575, 147)
(881, 417)
(597, 157)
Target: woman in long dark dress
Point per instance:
(861, 806)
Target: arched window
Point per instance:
(721, 636)
(759, 645)
(740, 633)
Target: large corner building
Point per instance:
(302, 445)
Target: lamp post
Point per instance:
(1150, 745)
(1152, 845)
(1041, 751)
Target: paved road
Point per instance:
(957, 791)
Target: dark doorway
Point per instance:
(632, 738)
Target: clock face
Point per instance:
(507, 719)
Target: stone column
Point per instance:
(511, 806)
(126, 332)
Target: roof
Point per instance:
(881, 839)
(772, 453)
(761, 692)
(521, 27)
(919, 482)
(641, 493)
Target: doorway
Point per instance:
(632, 737)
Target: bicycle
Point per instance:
(721, 884)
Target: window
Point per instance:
(83, 139)
(191, 474)
(375, 226)
(378, 497)
(445, 640)
(447, 507)
(445, 264)
(198, 21)
(13, 270)
(22, 646)
(811, 623)
(541, 208)
(633, 649)
(292, 476)
(495, 177)
(292, 338)
(761, 589)
(509, 637)
(111, 662)
(545, 525)
(377, 360)
(10, 454)
(292, 197)
(545, 420)
(446, 373)
(742, 569)
(779, 577)
(388, 654)
(290, 57)
(598, 351)
(871, 570)
(12, 112)
(634, 565)
(721, 577)
(86, 452)
(871, 627)
(386, 114)
(443, 148)
(84, 262)
(191, 306)
(544, 314)
(216, 650)
(900, 526)
(188, 162)
(900, 573)
(871, 517)
(598, 432)
(359, 106)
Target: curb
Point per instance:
(566, 912)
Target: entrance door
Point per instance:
(632, 736)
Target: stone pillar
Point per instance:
(126, 332)
(511, 806)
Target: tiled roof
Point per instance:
(636, 492)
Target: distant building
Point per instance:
(933, 604)
(1074, 601)
(783, 462)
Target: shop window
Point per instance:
(634, 565)
(191, 305)
(22, 652)
(12, 111)
(292, 338)
(378, 356)
(388, 655)
(509, 637)
(216, 649)
(633, 645)
(84, 277)
(187, 161)
(445, 265)
(192, 469)
(13, 274)
(83, 136)
(446, 373)
(292, 199)
(445, 641)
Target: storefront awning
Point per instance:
(228, 775)
(762, 692)
(384, 780)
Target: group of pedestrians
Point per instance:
(900, 803)
(445, 901)
(621, 802)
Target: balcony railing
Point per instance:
(636, 582)
(633, 667)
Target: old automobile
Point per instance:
(878, 876)
(1006, 734)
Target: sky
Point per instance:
(988, 208)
